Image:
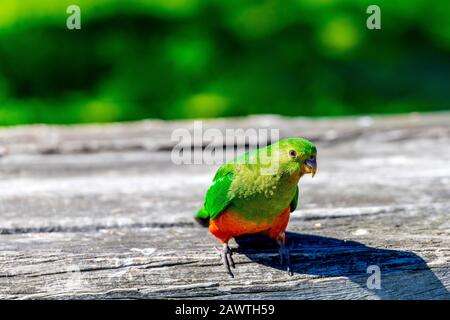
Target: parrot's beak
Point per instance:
(310, 166)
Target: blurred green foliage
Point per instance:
(190, 58)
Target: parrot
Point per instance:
(249, 196)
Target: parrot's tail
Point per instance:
(202, 217)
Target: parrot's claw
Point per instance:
(227, 259)
(285, 258)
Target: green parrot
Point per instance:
(256, 192)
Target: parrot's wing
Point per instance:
(217, 197)
(294, 201)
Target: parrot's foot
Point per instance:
(227, 259)
(285, 257)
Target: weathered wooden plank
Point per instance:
(180, 262)
(102, 212)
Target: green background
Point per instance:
(199, 59)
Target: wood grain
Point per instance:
(100, 211)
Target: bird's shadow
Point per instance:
(403, 274)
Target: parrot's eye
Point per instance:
(292, 154)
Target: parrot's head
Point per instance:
(298, 155)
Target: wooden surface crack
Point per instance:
(102, 212)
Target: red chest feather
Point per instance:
(230, 224)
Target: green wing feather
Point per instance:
(294, 201)
(217, 197)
